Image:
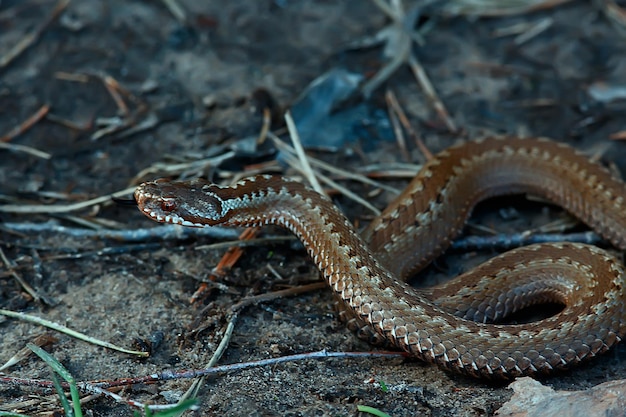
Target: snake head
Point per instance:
(188, 203)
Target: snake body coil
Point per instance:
(368, 271)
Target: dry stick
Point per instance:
(106, 251)
(66, 330)
(31, 38)
(399, 37)
(30, 290)
(300, 289)
(533, 31)
(96, 386)
(113, 87)
(164, 232)
(397, 129)
(176, 169)
(395, 105)
(249, 242)
(45, 339)
(282, 146)
(403, 42)
(265, 127)
(194, 388)
(297, 144)
(63, 208)
(307, 171)
(498, 8)
(26, 124)
(229, 259)
(346, 192)
(386, 8)
(169, 375)
(176, 10)
(127, 120)
(174, 232)
(614, 13)
(25, 149)
(294, 163)
(430, 92)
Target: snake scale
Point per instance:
(368, 271)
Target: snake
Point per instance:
(459, 326)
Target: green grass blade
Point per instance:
(371, 410)
(64, 373)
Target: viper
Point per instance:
(458, 325)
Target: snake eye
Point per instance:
(168, 205)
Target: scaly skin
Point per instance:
(368, 272)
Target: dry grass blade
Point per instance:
(66, 330)
(305, 166)
(295, 164)
(495, 8)
(176, 10)
(41, 341)
(393, 103)
(397, 128)
(31, 38)
(193, 167)
(27, 124)
(37, 296)
(300, 289)
(429, 90)
(63, 208)
(25, 149)
(194, 388)
(283, 147)
(614, 13)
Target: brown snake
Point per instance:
(368, 271)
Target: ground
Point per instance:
(198, 80)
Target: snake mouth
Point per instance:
(170, 219)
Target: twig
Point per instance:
(96, 386)
(197, 165)
(176, 10)
(31, 38)
(282, 146)
(164, 232)
(113, 87)
(300, 289)
(430, 92)
(397, 129)
(498, 8)
(229, 259)
(27, 124)
(108, 251)
(30, 290)
(306, 166)
(395, 105)
(41, 341)
(26, 149)
(248, 242)
(192, 391)
(66, 330)
(169, 375)
(63, 208)
(615, 13)
(293, 162)
(516, 240)
(536, 29)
